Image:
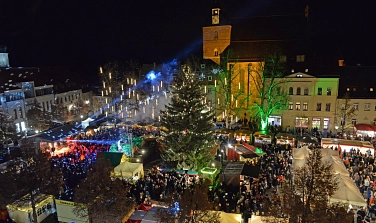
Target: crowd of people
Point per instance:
(82, 152)
(361, 167)
(275, 170)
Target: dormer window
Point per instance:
(300, 58)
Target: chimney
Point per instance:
(341, 63)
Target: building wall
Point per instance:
(16, 109)
(311, 117)
(215, 38)
(366, 112)
(69, 98)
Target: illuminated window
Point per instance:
(367, 106)
(356, 106)
(291, 106)
(354, 89)
(329, 91)
(347, 89)
(298, 91)
(297, 106)
(327, 107)
(319, 91)
(371, 89)
(291, 91)
(318, 107)
(305, 106)
(216, 52)
(305, 91)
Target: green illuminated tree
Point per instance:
(188, 138)
(270, 86)
(345, 112)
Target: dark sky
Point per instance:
(90, 33)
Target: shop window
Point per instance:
(301, 122)
(305, 91)
(316, 123)
(326, 123)
(318, 107)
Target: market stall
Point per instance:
(348, 145)
(129, 170)
(22, 211)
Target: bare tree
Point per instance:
(345, 112)
(270, 85)
(32, 175)
(307, 199)
(101, 198)
(229, 89)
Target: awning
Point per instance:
(363, 127)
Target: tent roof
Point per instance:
(235, 168)
(347, 192)
(127, 167)
(58, 133)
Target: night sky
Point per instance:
(87, 34)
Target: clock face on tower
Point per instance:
(215, 20)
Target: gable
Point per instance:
(300, 75)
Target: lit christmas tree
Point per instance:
(188, 138)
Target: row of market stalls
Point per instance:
(348, 145)
(347, 192)
(365, 130)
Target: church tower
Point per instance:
(215, 16)
(216, 38)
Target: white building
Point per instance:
(312, 102)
